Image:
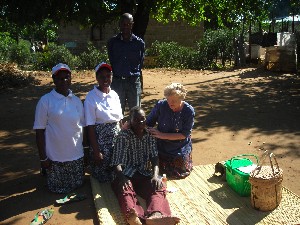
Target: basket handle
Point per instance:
(242, 156)
(263, 158)
(270, 158)
(259, 166)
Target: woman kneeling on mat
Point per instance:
(59, 122)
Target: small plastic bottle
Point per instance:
(164, 179)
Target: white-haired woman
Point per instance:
(174, 118)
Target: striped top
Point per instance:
(133, 153)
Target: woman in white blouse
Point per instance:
(103, 114)
(59, 122)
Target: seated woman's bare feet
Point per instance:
(133, 218)
(158, 219)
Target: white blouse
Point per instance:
(62, 117)
(102, 108)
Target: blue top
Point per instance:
(126, 57)
(169, 121)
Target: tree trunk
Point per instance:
(293, 24)
(141, 18)
(127, 6)
(250, 42)
(140, 12)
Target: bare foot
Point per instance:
(159, 219)
(133, 218)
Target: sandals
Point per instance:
(73, 197)
(42, 217)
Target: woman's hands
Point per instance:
(45, 164)
(166, 136)
(155, 133)
(124, 126)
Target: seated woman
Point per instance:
(175, 119)
(135, 163)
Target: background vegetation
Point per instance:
(23, 23)
(213, 51)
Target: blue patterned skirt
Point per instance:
(64, 177)
(179, 166)
(106, 134)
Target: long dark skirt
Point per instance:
(64, 177)
(106, 134)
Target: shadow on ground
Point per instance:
(268, 104)
(22, 189)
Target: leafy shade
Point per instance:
(222, 12)
(98, 13)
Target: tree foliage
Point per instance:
(295, 7)
(20, 14)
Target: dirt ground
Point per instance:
(242, 111)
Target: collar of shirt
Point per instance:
(100, 93)
(60, 96)
(146, 133)
(130, 39)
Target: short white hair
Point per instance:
(176, 89)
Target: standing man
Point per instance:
(126, 54)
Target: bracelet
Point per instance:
(86, 147)
(43, 160)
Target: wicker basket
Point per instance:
(266, 186)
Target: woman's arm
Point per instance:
(166, 136)
(94, 144)
(153, 116)
(90, 120)
(187, 121)
(41, 145)
(85, 140)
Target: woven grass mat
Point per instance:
(203, 199)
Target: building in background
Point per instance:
(76, 39)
